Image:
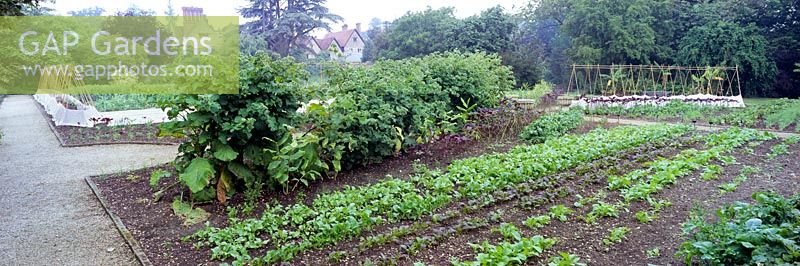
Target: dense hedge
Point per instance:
(552, 126)
(476, 77)
(369, 112)
(382, 109)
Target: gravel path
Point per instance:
(48, 215)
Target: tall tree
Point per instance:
(37, 10)
(284, 22)
(250, 44)
(170, 10)
(779, 22)
(541, 26)
(726, 43)
(16, 7)
(374, 40)
(613, 31)
(422, 33)
(492, 31)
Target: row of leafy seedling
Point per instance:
(344, 214)
(530, 195)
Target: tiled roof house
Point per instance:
(347, 44)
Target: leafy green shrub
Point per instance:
(532, 93)
(242, 137)
(760, 234)
(479, 78)
(381, 110)
(552, 125)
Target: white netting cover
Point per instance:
(636, 100)
(82, 115)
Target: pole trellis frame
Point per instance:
(653, 80)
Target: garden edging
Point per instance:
(138, 252)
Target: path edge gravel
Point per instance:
(138, 252)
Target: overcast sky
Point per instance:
(353, 11)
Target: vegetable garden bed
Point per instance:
(70, 136)
(131, 198)
(485, 213)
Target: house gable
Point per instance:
(348, 42)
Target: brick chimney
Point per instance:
(344, 27)
(192, 14)
(358, 27)
(192, 11)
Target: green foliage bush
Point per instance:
(760, 234)
(236, 136)
(478, 78)
(257, 136)
(392, 105)
(552, 126)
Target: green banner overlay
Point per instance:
(119, 55)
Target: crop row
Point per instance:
(657, 174)
(344, 214)
(779, 114)
(475, 214)
(641, 184)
